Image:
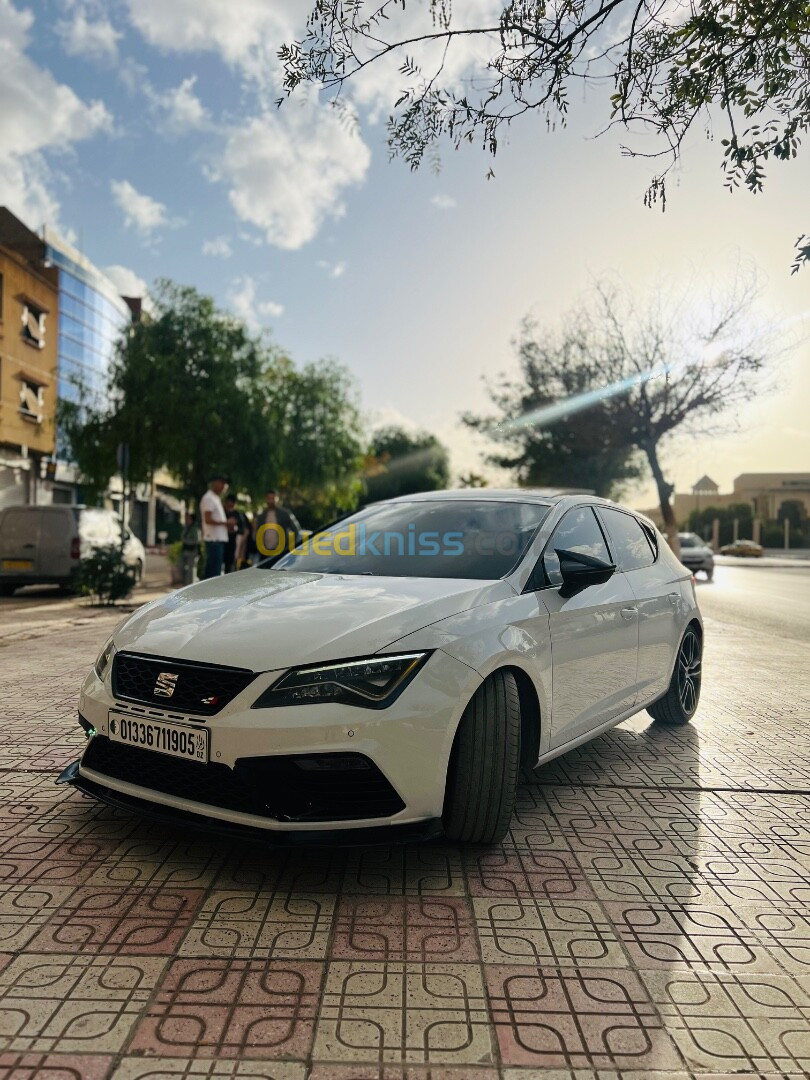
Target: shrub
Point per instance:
(104, 575)
(173, 552)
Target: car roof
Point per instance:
(531, 495)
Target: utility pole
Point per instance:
(122, 457)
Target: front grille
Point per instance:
(305, 787)
(203, 689)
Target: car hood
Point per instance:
(270, 619)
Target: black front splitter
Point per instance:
(382, 834)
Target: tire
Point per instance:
(679, 704)
(7, 589)
(138, 572)
(484, 764)
(709, 575)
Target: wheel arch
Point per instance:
(530, 715)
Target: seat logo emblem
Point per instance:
(165, 684)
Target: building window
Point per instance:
(33, 325)
(31, 400)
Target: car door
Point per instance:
(594, 634)
(657, 596)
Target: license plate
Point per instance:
(17, 564)
(176, 740)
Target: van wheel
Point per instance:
(484, 764)
(6, 589)
(138, 572)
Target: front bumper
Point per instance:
(409, 743)
(401, 834)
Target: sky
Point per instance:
(146, 131)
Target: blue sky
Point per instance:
(145, 130)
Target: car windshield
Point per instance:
(689, 540)
(475, 539)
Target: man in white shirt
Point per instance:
(214, 526)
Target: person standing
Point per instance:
(190, 551)
(274, 514)
(214, 526)
(238, 530)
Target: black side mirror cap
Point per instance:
(580, 571)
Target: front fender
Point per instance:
(513, 632)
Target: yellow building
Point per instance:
(764, 492)
(29, 300)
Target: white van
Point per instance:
(42, 545)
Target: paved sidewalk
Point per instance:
(648, 917)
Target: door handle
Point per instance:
(629, 613)
(674, 598)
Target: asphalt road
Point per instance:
(774, 600)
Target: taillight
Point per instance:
(75, 548)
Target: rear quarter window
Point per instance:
(631, 543)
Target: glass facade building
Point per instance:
(92, 317)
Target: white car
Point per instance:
(397, 671)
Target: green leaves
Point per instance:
(192, 392)
(738, 65)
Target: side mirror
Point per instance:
(580, 571)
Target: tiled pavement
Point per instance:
(648, 917)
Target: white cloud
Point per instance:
(287, 171)
(141, 212)
(182, 109)
(242, 299)
(220, 246)
(444, 202)
(126, 281)
(335, 270)
(38, 116)
(90, 35)
(246, 33)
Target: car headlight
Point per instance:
(369, 684)
(104, 659)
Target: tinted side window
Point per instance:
(630, 542)
(578, 531)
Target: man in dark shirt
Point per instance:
(238, 529)
(285, 526)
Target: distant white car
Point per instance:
(696, 554)
(396, 671)
(43, 545)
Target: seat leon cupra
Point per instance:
(395, 671)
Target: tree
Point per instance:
(312, 438)
(192, 391)
(472, 480)
(403, 463)
(547, 443)
(641, 374)
(701, 521)
(184, 392)
(794, 511)
(741, 67)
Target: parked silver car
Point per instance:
(696, 555)
(42, 545)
